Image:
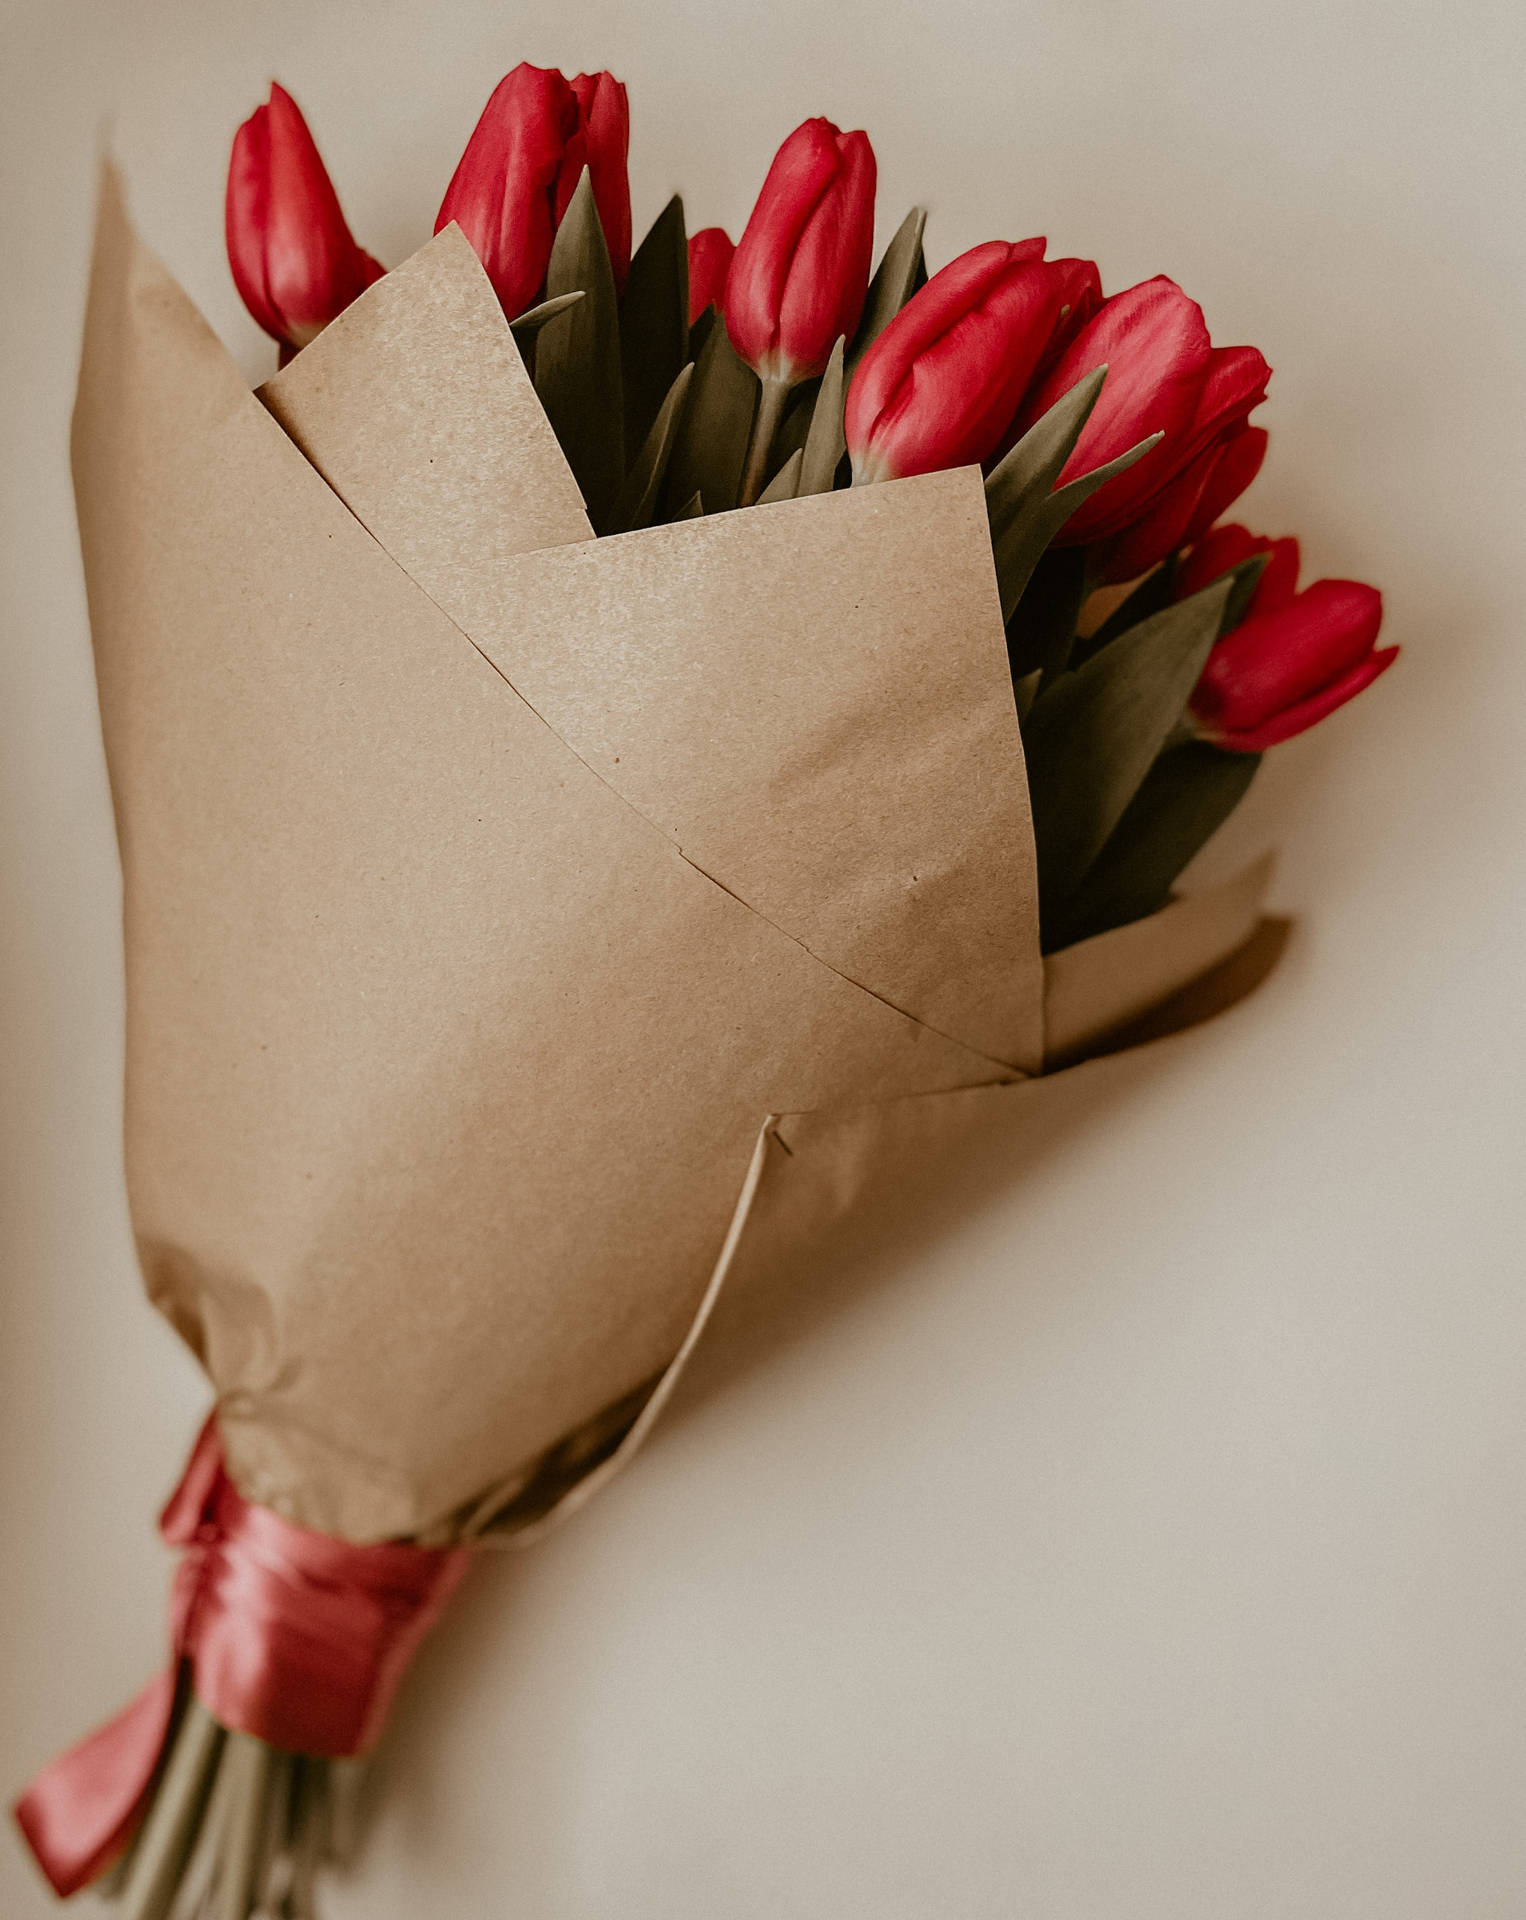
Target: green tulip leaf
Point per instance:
(1184, 799)
(699, 333)
(533, 319)
(1152, 593)
(1246, 577)
(1025, 514)
(795, 427)
(636, 504)
(577, 358)
(1062, 504)
(1091, 738)
(1025, 691)
(654, 320)
(1041, 632)
(1030, 536)
(824, 444)
(1026, 473)
(785, 483)
(714, 428)
(895, 281)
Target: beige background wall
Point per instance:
(1151, 1549)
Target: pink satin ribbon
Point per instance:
(290, 1635)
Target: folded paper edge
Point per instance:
(1018, 1048)
(1098, 987)
(635, 1437)
(114, 221)
(1206, 930)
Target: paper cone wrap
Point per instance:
(529, 937)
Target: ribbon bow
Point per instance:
(293, 1636)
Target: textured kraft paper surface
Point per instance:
(810, 699)
(827, 1192)
(487, 888)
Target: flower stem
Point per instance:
(170, 1826)
(764, 427)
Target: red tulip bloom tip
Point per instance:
(1164, 376)
(521, 168)
(1295, 658)
(294, 260)
(710, 256)
(941, 385)
(801, 269)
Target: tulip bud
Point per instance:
(1185, 507)
(294, 260)
(521, 168)
(1230, 546)
(1166, 377)
(942, 383)
(605, 119)
(710, 254)
(1290, 663)
(801, 268)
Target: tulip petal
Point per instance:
(1280, 581)
(1306, 713)
(1240, 454)
(828, 275)
(1227, 546)
(1276, 661)
(606, 127)
(1185, 505)
(798, 179)
(1218, 550)
(313, 268)
(710, 256)
(941, 385)
(900, 271)
(801, 268)
(503, 192)
(1155, 344)
(247, 218)
(1235, 385)
(294, 260)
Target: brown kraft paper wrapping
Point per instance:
(487, 889)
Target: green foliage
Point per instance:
(1187, 795)
(900, 272)
(577, 358)
(654, 320)
(714, 429)
(1092, 736)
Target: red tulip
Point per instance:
(940, 386)
(1297, 657)
(1164, 376)
(606, 125)
(521, 168)
(1185, 507)
(294, 260)
(1228, 546)
(801, 268)
(710, 252)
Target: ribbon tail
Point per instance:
(80, 1812)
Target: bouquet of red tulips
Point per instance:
(561, 908)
